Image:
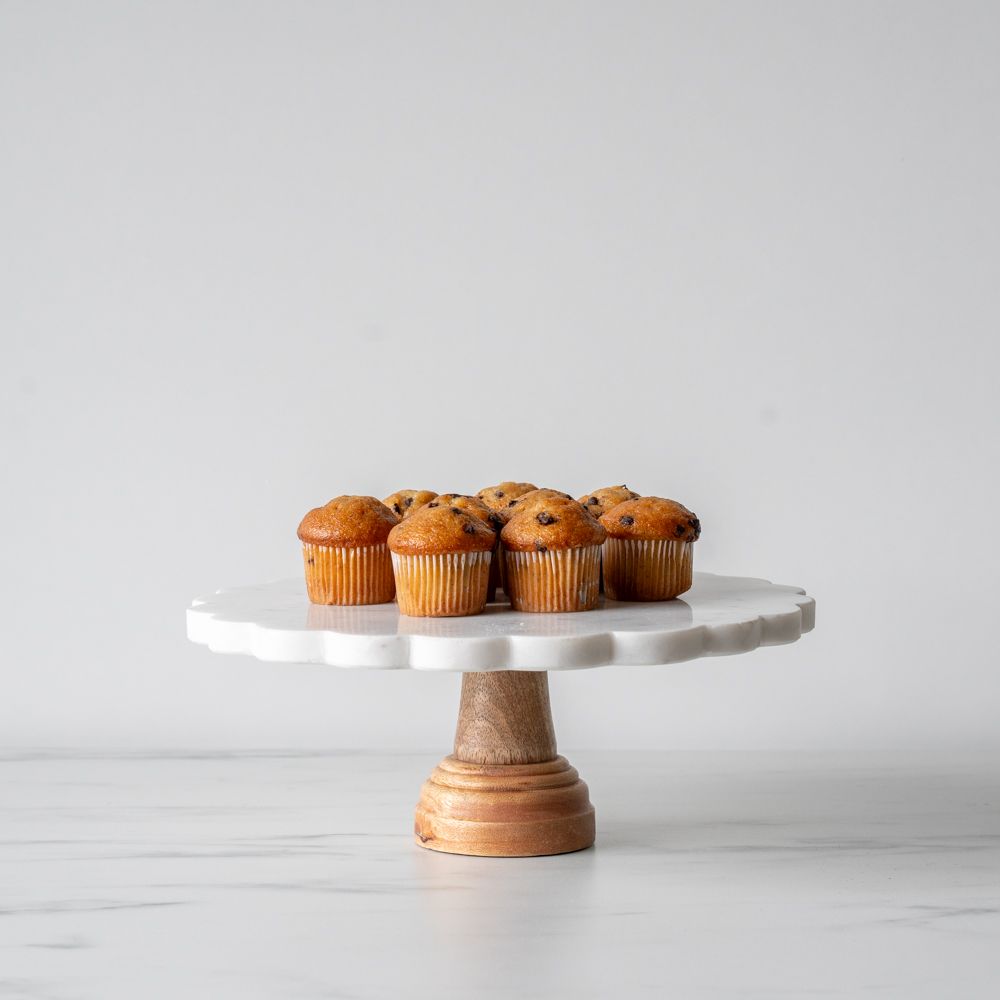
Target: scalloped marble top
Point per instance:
(720, 615)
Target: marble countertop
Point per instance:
(217, 875)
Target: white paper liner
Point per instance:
(336, 575)
(556, 580)
(444, 585)
(641, 569)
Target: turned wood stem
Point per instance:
(505, 718)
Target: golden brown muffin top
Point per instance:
(604, 499)
(348, 522)
(405, 502)
(471, 505)
(533, 502)
(554, 523)
(500, 495)
(515, 503)
(433, 530)
(651, 517)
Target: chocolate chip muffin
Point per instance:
(552, 557)
(345, 552)
(531, 502)
(605, 498)
(476, 507)
(441, 559)
(405, 502)
(496, 497)
(649, 553)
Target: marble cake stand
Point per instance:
(504, 791)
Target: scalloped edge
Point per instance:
(457, 654)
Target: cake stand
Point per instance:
(503, 791)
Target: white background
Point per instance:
(257, 255)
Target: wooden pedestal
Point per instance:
(504, 792)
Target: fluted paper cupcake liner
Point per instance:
(656, 569)
(337, 575)
(556, 580)
(441, 586)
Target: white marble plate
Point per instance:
(719, 616)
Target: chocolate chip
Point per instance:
(627, 520)
(395, 507)
(592, 501)
(454, 510)
(541, 548)
(498, 494)
(408, 501)
(496, 521)
(469, 528)
(513, 503)
(434, 503)
(546, 518)
(679, 530)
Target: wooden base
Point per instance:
(504, 810)
(504, 792)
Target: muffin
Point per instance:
(604, 499)
(552, 557)
(500, 495)
(649, 553)
(345, 552)
(405, 502)
(476, 507)
(441, 559)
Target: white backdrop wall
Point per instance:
(256, 255)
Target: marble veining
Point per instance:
(720, 615)
(258, 875)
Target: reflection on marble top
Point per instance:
(140, 877)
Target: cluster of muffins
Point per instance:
(448, 554)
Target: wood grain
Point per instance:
(505, 718)
(504, 810)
